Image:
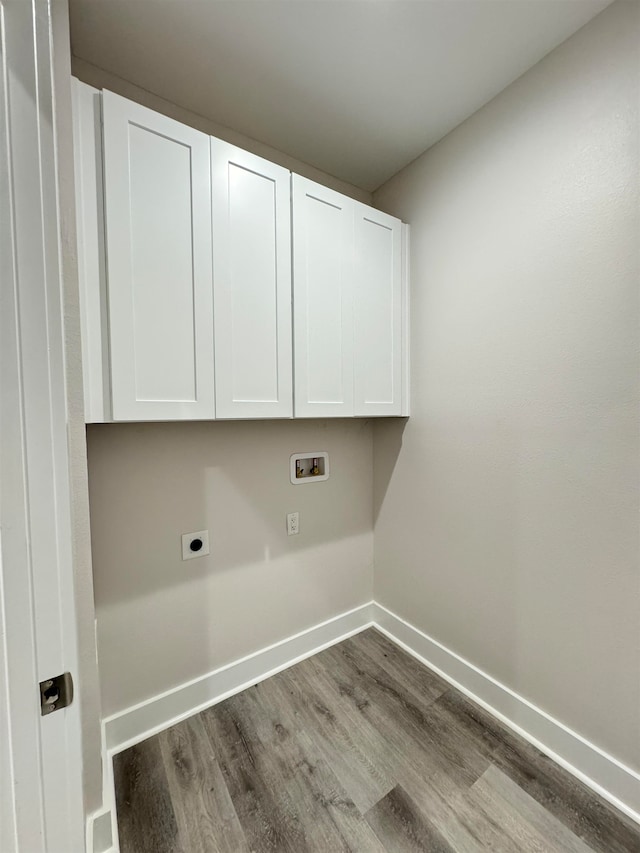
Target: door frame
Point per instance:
(41, 762)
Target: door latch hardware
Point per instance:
(56, 693)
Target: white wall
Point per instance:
(162, 621)
(507, 510)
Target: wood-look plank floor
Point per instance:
(359, 748)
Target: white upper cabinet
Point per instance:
(378, 298)
(158, 249)
(252, 284)
(215, 284)
(323, 269)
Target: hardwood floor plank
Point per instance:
(530, 825)
(381, 751)
(444, 805)
(336, 822)
(146, 818)
(469, 722)
(588, 816)
(393, 751)
(405, 723)
(418, 764)
(602, 827)
(596, 822)
(266, 812)
(207, 820)
(402, 828)
(422, 683)
(342, 745)
(329, 816)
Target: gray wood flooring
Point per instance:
(359, 748)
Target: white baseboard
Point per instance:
(100, 831)
(608, 777)
(141, 721)
(604, 774)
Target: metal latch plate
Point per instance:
(56, 693)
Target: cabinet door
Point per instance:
(252, 285)
(322, 300)
(378, 355)
(158, 246)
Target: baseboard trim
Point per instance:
(147, 718)
(608, 777)
(100, 832)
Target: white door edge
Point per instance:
(41, 761)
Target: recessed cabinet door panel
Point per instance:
(158, 237)
(252, 290)
(323, 300)
(378, 313)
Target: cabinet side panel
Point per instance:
(87, 142)
(406, 324)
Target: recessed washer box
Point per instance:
(309, 467)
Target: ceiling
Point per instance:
(357, 88)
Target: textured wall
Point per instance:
(507, 510)
(162, 621)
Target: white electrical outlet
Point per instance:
(293, 523)
(195, 544)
